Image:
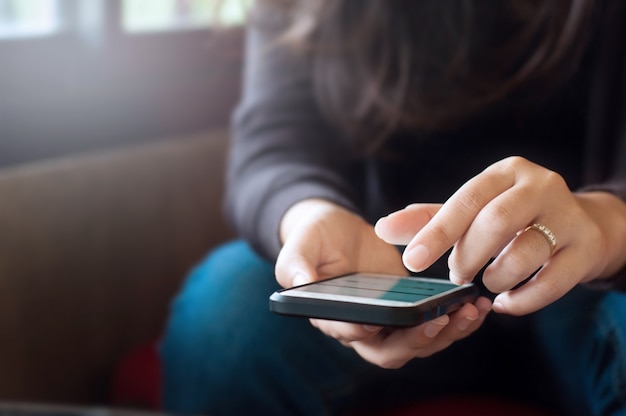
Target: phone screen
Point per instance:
(374, 289)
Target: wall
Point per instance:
(60, 95)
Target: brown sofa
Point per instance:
(92, 249)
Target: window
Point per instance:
(82, 74)
(36, 18)
(28, 18)
(150, 15)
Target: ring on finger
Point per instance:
(546, 233)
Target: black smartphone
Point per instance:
(375, 299)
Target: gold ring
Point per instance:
(546, 233)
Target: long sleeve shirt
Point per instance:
(284, 150)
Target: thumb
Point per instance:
(293, 268)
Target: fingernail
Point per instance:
(454, 278)
(465, 323)
(378, 224)
(498, 307)
(372, 328)
(415, 259)
(299, 279)
(435, 326)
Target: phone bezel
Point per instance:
(388, 313)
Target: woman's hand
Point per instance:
(322, 240)
(488, 218)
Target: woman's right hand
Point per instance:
(322, 240)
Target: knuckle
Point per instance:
(550, 183)
(470, 201)
(553, 179)
(516, 262)
(440, 236)
(496, 217)
(513, 163)
(506, 272)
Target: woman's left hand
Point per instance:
(488, 218)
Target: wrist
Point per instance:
(609, 213)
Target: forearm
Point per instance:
(282, 151)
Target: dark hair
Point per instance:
(384, 65)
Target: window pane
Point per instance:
(150, 15)
(24, 18)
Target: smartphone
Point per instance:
(375, 299)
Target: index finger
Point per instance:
(455, 216)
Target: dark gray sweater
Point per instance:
(284, 150)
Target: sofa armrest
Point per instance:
(92, 248)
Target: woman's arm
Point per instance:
(283, 151)
(607, 201)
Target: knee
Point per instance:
(231, 270)
(221, 309)
(235, 262)
(231, 284)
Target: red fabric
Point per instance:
(137, 379)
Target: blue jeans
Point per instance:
(224, 353)
(584, 339)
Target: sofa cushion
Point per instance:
(92, 248)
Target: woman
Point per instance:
(486, 137)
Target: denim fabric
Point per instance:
(224, 353)
(583, 337)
